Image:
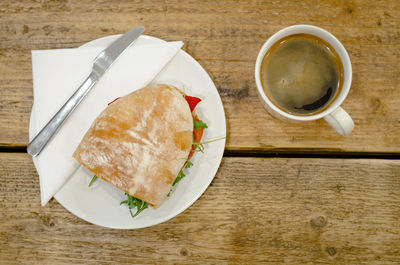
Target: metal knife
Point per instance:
(101, 63)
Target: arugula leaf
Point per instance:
(180, 176)
(199, 124)
(188, 164)
(93, 180)
(200, 146)
(133, 202)
(145, 205)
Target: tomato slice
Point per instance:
(192, 101)
(197, 135)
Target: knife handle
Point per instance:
(44, 136)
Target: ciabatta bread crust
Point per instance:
(140, 142)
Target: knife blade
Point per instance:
(101, 64)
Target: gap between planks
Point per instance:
(287, 153)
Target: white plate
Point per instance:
(100, 204)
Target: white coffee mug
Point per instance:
(336, 117)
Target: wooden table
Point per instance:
(285, 193)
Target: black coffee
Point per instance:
(301, 74)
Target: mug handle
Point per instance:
(340, 121)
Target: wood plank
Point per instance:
(295, 211)
(224, 36)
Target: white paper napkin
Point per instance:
(58, 73)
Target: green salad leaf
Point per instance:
(180, 176)
(200, 146)
(188, 164)
(199, 124)
(93, 180)
(133, 202)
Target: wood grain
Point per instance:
(224, 36)
(295, 211)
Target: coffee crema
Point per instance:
(302, 74)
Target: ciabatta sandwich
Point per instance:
(141, 142)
